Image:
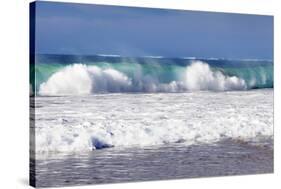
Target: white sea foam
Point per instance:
(82, 123)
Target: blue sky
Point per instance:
(67, 28)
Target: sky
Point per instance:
(84, 29)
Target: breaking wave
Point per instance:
(81, 79)
(78, 79)
(199, 76)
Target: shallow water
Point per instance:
(114, 165)
(151, 136)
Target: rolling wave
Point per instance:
(80, 79)
(151, 77)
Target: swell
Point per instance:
(152, 75)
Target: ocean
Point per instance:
(107, 119)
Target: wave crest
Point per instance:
(199, 76)
(79, 79)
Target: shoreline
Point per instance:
(226, 158)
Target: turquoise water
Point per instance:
(142, 74)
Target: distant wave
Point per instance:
(109, 55)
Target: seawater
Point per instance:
(76, 75)
(101, 119)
